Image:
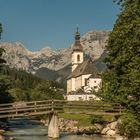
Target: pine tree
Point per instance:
(121, 81)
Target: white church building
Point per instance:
(84, 77)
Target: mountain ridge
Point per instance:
(17, 56)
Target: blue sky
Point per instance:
(40, 23)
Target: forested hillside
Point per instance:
(21, 86)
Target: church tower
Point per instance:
(77, 53)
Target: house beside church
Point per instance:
(84, 76)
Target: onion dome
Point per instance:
(77, 45)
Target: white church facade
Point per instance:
(84, 77)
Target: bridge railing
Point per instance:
(25, 108)
(91, 107)
(49, 106)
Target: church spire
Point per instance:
(77, 45)
(77, 54)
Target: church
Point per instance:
(84, 77)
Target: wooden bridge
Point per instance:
(53, 107)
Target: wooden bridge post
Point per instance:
(120, 108)
(53, 127)
(35, 105)
(16, 110)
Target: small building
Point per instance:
(84, 77)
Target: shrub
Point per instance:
(130, 125)
(97, 119)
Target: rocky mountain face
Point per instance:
(19, 57)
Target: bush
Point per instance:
(97, 119)
(130, 125)
(19, 94)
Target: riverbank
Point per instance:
(70, 126)
(107, 130)
(30, 129)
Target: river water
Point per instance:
(27, 129)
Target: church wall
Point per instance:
(77, 58)
(69, 86)
(78, 82)
(72, 84)
(82, 97)
(84, 77)
(74, 57)
(95, 83)
(75, 83)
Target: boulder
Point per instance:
(136, 138)
(110, 133)
(119, 137)
(89, 130)
(11, 138)
(99, 127)
(74, 129)
(105, 130)
(2, 137)
(113, 125)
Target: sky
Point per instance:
(40, 23)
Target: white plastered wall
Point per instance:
(84, 97)
(95, 83)
(75, 61)
(85, 77)
(78, 82)
(73, 84)
(69, 85)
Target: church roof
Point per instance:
(77, 45)
(87, 67)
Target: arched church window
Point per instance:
(78, 57)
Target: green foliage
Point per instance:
(5, 97)
(83, 120)
(122, 77)
(4, 80)
(25, 86)
(2, 61)
(98, 119)
(130, 125)
(45, 91)
(121, 81)
(19, 94)
(20, 78)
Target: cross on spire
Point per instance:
(77, 28)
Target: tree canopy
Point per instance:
(26, 87)
(121, 81)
